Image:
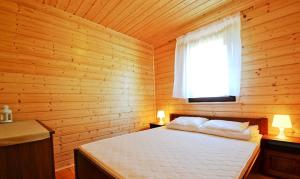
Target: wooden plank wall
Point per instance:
(81, 79)
(270, 66)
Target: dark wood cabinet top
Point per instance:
(157, 123)
(295, 140)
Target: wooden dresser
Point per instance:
(281, 157)
(26, 151)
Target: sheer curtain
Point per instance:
(208, 61)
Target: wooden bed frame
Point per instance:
(86, 168)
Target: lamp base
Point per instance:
(281, 134)
(161, 121)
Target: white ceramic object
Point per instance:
(6, 115)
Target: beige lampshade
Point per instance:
(161, 114)
(282, 121)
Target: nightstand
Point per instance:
(281, 157)
(26, 151)
(156, 124)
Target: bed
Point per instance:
(167, 153)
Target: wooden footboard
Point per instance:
(85, 168)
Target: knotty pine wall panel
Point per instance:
(79, 78)
(270, 66)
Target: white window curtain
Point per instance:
(208, 61)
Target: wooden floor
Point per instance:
(69, 173)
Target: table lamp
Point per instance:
(161, 115)
(282, 122)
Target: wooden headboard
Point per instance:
(261, 122)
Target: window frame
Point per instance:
(213, 99)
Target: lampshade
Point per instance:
(282, 121)
(161, 114)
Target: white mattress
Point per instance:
(165, 153)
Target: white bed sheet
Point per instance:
(164, 153)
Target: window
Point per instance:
(208, 62)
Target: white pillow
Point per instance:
(226, 125)
(187, 123)
(247, 134)
(254, 130)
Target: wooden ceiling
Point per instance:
(147, 20)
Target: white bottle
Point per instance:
(6, 115)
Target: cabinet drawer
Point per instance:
(32, 160)
(281, 164)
